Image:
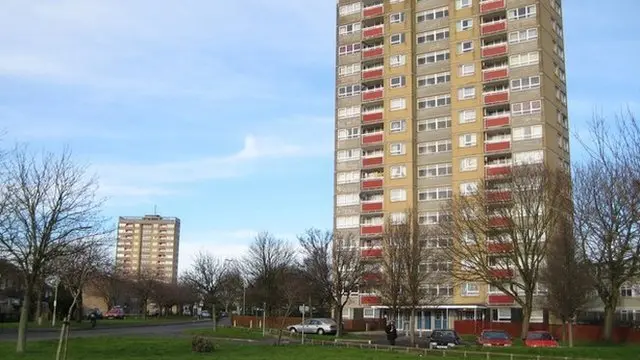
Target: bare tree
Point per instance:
(292, 294)
(392, 267)
(500, 230)
(264, 264)
(48, 204)
(332, 264)
(232, 287)
(206, 276)
(566, 276)
(607, 208)
(112, 286)
(143, 287)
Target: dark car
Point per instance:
(540, 339)
(444, 339)
(494, 338)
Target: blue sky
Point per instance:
(221, 113)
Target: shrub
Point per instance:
(201, 344)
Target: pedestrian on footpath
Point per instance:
(392, 333)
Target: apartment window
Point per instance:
(557, 28)
(434, 124)
(560, 95)
(432, 14)
(433, 218)
(465, 46)
(396, 195)
(349, 49)
(626, 291)
(434, 147)
(348, 155)
(349, 28)
(558, 50)
(435, 194)
(466, 93)
(347, 222)
(435, 170)
(527, 133)
(434, 79)
(523, 35)
(526, 83)
(347, 199)
(470, 289)
(464, 24)
(398, 172)
(467, 69)
(398, 81)
(397, 60)
(436, 290)
(563, 142)
(530, 58)
(398, 218)
(500, 314)
(351, 133)
(522, 12)
(346, 70)
(560, 73)
(526, 108)
(397, 39)
(348, 112)
(349, 9)
(397, 149)
(467, 140)
(434, 101)
(433, 57)
(398, 126)
(555, 5)
(466, 116)
(563, 120)
(468, 188)
(397, 104)
(528, 157)
(435, 35)
(396, 18)
(435, 242)
(461, 4)
(395, 1)
(348, 177)
(469, 164)
(349, 90)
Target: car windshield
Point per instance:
(445, 334)
(328, 321)
(496, 335)
(539, 336)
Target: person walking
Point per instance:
(392, 333)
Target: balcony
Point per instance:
(371, 277)
(370, 230)
(495, 97)
(498, 170)
(372, 73)
(372, 32)
(495, 73)
(499, 299)
(373, 183)
(497, 120)
(497, 145)
(371, 253)
(502, 273)
(373, 160)
(373, 116)
(497, 196)
(373, 94)
(493, 27)
(370, 300)
(371, 206)
(373, 10)
(499, 49)
(488, 6)
(499, 248)
(372, 52)
(498, 222)
(372, 138)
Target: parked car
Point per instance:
(540, 339)
(494, 338)
(205, 314)
(114, 313)
(444, 339)
(318, 326)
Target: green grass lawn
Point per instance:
(102, 323)
(246, 333)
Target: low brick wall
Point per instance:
(275, 322)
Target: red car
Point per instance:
(540, 339)
(494, 338)
(114, 313)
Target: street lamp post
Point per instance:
(56, 281)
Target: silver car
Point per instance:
(318, 326)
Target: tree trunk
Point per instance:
(609, 317)
(526, 317)
(61, 339)
(21, 346)
(38, 303)
(570, 329)
(412, 326)
(66, 340)
(338, 319)
(564, 331)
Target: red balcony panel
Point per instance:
(370, 229)
(497, 146)
(371, 11)
(496, 98)
(491, 28)
(373, 32)
(490, 75)
(372, 74)
(496, 248)
(497, 121)
(502, 273)
(370, 53)
(369, 300)
(371, 277)
(499, 170)
(372, 206)
(499, 196)
(372, 184)
(488, 6)
(372, 139)
(371, 253)
(372, 161)
(372, 117)
(495, 50)
(498, 222)
(372, 95)
(500, 300)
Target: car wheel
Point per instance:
(320, 331)
(293, 330)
